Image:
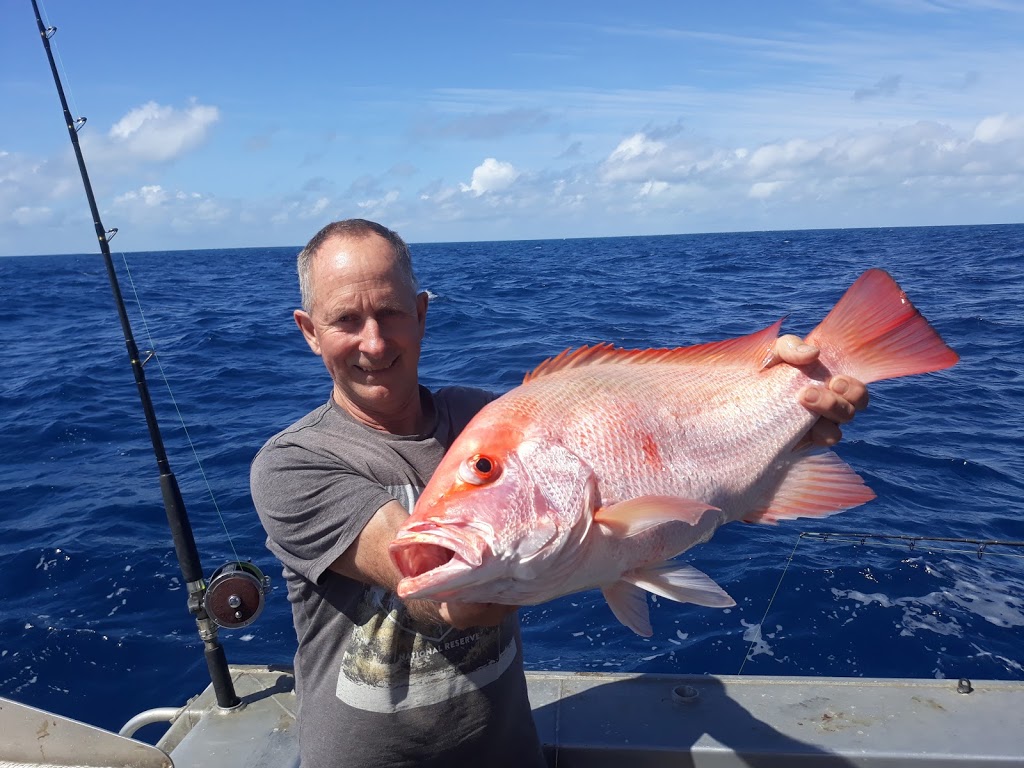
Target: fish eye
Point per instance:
(478, 469)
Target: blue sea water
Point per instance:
(93, 622)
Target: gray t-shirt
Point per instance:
(375, 687)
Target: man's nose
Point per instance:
(372, 341)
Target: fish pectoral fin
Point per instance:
(818, 483)
(628, 518)
(629, 604)
(683, 583)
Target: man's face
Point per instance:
(366, 322)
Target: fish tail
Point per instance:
(875, 333)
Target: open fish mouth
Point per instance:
(436, 559)
(416, 558)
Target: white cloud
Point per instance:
(779, 157)
(208, 211)
(997, 128)
(287, 212)
(879, 156)
(491, 176)
(29, 216)
(762, 190)
(157, 133)
(151, 205)
(36, 190)
(845, 171)
(31, 193)
(653, 188)
(377, 205)
(637, 145)
(151, 195)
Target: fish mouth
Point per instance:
(436, 559)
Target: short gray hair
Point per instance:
(356, 228)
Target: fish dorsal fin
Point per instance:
(754, 349)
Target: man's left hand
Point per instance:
(836, 404)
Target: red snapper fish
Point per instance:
(607, 463)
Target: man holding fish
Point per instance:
(384, 680)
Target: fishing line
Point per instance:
(982, 547)
(60, 61)
(181, 420)
(760, 627)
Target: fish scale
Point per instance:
(693, 425)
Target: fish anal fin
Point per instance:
(818, 484)
(628, 518)
(629, 604)
(753, 349)
(680, 582)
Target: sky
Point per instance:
(230, 124)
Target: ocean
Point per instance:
(93, 621)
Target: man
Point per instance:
(382, 682)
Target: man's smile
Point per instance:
(376, 367)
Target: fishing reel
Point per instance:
(236, 594)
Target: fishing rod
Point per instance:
(981, 546)
(236, 592)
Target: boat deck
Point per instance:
(643, 721)
(667, 720)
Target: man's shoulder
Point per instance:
(457, 405)
(311, 423)
(310, 439)
(464, 397)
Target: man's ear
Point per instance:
(305, 323)
(422, 300)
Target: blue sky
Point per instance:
(233, 124)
